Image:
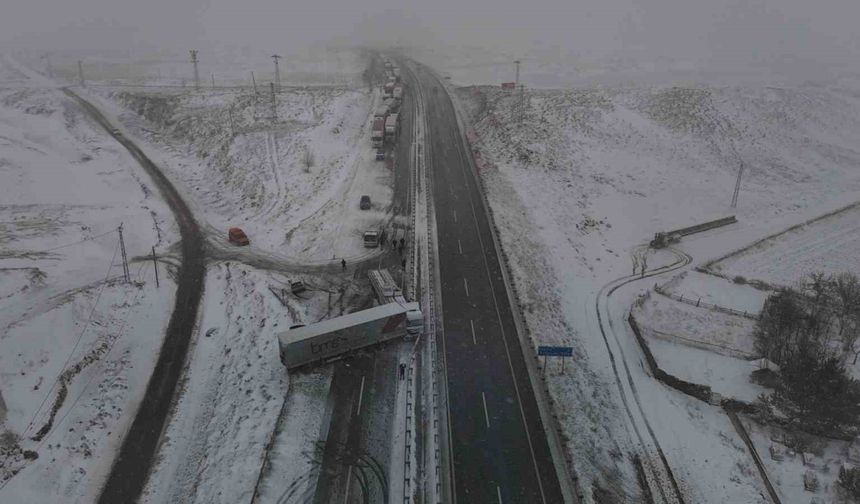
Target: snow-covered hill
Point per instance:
(587, 175)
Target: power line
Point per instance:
(75, 347)
(124, 256)
(101, 361)
(196, 75)
(91, 238)
(276, 57)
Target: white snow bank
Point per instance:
(233, 392)
(67, 322)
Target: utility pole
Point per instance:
(213, 81)
(232, 126)
(277, 72)
(737, 186)
(521, 104)
(81, 74)
(254, 82)
(517, 79)
(155, 265)
(196, 75)
(274, 104)
(48, 65)
(124, 257)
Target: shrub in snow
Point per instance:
(809, 332)
(849, 479)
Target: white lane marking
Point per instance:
(474, 341)
(346, 494)
(360, 396)
(486, 415)
(455, 216)
(466, 284)
(499, 493)
(459, 246)
(502, 329)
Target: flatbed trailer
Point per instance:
(664, 238)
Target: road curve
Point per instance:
(132, 465)
(667, 486)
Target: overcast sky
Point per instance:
(733, 30)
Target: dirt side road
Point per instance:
(131, 468)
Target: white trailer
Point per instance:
(391, 123)
(321, 341)
(385, 288)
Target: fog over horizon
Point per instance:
(718, 35)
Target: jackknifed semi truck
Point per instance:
(320, 342)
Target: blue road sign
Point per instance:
(555, 351)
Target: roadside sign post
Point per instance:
(555, 351)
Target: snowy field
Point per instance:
(590, 174)
(722, 292)
(235, 388)
(695, 326)
(66, 188)
(830, 245)
(296, 455)
(827, 456)
(318, 66)
(77, 343)
(238, 168)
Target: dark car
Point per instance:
(380, 155)
(364, 204)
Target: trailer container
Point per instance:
(391, 123)
(377, 133)
(327, 339)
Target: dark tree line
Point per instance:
(811, 332)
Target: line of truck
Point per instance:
(386, 118)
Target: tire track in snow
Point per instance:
(601, 302)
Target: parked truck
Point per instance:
(327, 339)
(397, 93)
(384, 287)
(388, 88)
(391, 123)
(665, 238)
(372, 238)
(377, 132)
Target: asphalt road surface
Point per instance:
(499, 450)
(131, 468)
(354, 464)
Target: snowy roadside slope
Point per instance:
(233, 392)
(65, 187)
(237, 168)
(592, 173)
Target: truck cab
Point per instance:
(414, 322)
(371, 239)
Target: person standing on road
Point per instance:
(343, 264)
